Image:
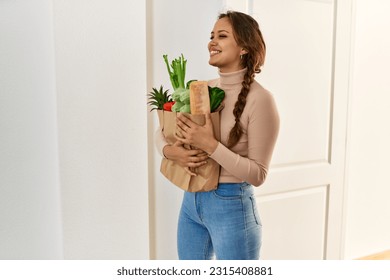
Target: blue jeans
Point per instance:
(224, 223)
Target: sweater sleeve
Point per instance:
(160, 141)
(262, 130)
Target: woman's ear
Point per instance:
(243, 51)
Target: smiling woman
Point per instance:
(224, 51)
(225, 222)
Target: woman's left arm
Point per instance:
(263, 129)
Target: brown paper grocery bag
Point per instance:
(208, 174)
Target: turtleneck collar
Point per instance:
(232, 78)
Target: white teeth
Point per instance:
(214, 52)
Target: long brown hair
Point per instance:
(248, 36)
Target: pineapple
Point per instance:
(158, 97)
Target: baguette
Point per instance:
(199, 98)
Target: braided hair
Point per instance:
(248, 36)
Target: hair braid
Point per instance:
(248, 35)
(236, 131)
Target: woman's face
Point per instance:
(223, 48)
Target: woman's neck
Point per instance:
(232, 78)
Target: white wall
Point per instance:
(101, 87)
(175, 27)
(368, 207)
(30, 219)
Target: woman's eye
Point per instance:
(221, 36)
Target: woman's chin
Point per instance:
(212, 63)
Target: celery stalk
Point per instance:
(177, 71)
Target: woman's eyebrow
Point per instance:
(219, 31)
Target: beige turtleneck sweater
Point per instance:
(248, 160)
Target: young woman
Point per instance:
(225, 223)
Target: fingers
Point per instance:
(192, 166)
(189, 158)
(178, 144)
(190, 151)
(182, 124)
(182, 129)
(195, 153)
(196, 161)
(185, 126)
(180, 139)
(183, 119)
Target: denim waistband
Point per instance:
(235, 188)
(233, 185)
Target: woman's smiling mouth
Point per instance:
(214, 52)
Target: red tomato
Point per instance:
(168, 106)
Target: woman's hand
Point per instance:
(201, 137)
(189, 159)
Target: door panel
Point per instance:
(306, 69)
(295, 223)
(298, 70)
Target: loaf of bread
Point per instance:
(199, 98)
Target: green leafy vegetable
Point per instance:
(186, 108)
(176, 95)
(216, 97)
(178, 72)
(177, 106)
(185, 96)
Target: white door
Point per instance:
(307, 62)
